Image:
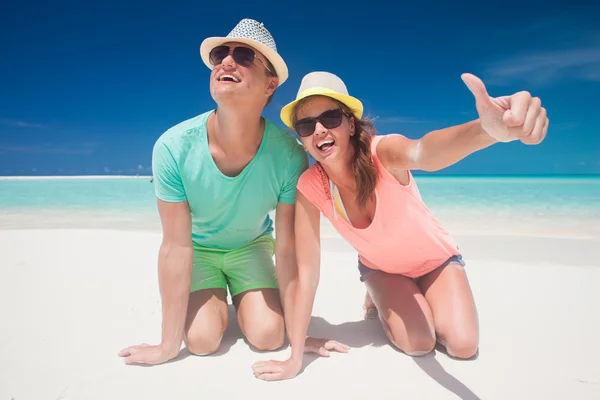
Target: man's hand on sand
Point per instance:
(147, 354)
(279, 370)
(507, 118)
(322, 347)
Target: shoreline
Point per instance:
(417, 175)
(324, 235)
(73, 177)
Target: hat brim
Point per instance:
(274, 58)
(352, 103)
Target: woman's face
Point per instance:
(326, 145)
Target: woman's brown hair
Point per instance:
(362, 165)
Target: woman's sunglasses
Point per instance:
(243, 56)
(329, 119)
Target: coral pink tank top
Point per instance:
(404, 236)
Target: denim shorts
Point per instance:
(366, 272)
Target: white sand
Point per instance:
(70, 300)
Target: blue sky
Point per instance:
(87, 88)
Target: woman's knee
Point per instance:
(461, 340)
(418, 346)
(461, 346)
(415, 343)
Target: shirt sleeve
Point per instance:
(167, 178)
(298, 164)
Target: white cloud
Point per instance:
(399, 120)
(20, 124)
(575, 52)
(46, 148)
(545, 67)
(106, 170)
(564, 126)
(558, 47)
(563, 26)
(132, 171)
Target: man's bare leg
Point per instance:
(206, 321)
(260, 317)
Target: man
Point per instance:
(217, 178)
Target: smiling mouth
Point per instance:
(325, 145)
(228, 78)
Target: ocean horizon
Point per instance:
(564, 205)
(416, 173)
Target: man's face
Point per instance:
(239, 76)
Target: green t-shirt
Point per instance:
(227, 212)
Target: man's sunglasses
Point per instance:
(243, 56)
(329, 119)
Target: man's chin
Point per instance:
(227, 96)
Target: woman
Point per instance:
(412, 267)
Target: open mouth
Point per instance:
(228, 78)
(325, 144)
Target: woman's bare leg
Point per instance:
(450, 299)
(403, 311)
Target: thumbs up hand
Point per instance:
(508, 118)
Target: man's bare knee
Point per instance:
(206, 321)
(266, 336)
(202, 340)
(203, 345)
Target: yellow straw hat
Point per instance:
(323, 84)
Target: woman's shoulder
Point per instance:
(383, 143)
(314, 184)
(314, 175)
(391, 149)
(389, 154)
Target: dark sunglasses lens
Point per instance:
(243, 56)
(218, 54)
(305, 128)
(331, 119)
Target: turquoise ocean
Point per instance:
(557, 206)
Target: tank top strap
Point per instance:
(324, 179)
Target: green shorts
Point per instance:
(246, 268)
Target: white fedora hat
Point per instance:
(253, 34)
(321, 83)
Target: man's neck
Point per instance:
(236, 132)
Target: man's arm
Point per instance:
(285, 259)
(308, 243)
(306, 280)
(174, 273)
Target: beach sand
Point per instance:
(71, 299)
